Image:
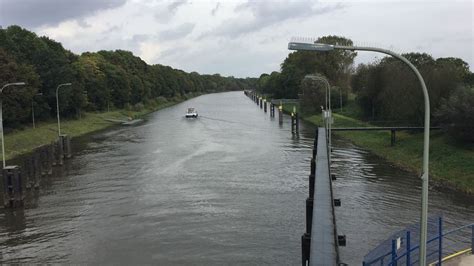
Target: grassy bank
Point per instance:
(24, 141)
(450, 165)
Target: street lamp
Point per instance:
(322, 47)
(328, 115)
(1, 115)
(57, 105)
(33, 108)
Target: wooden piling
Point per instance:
(12, 187)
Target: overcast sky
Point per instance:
(244, 38)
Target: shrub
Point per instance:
(456, 114)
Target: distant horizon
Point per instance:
(243, 38)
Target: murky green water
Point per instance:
(226, 188)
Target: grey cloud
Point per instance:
(214, 10)
(35, 13)
(165, 15)
(265, 14)
(175, 5)
(179, 32)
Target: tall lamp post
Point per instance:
(1, 115)
(328, 117)
(33, 108)
(57, 105)
(322, 47)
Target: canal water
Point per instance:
(226, 188)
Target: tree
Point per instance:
(456, 114)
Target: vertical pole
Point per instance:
(472, 239)
(1, 129)
(60, 150)
(33, 113)
(394, 253)
(57, 111)
(408, 248)
(392, 137)
(280, 115)
(440, 240)
(340, 98)
(296, 123)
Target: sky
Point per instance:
(244, 38)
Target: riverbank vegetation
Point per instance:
(387, 93)
(22, 141)
(101, 81)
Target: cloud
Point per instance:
(35, 13)
(257, 15)
(175, 5)
(179, 32)
(214, 10)
(166, 14)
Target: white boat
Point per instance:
(191, 113)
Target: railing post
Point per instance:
(440, 240)
(472, 239)
(408, 248)
(394, 253)
(392, 137)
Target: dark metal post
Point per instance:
(292, 123)
(60, 151)
(305, 248)
(12, 186)
(37, 168)
(280, 115)
(67, 146)
(440, 240)
(52, 153)
(265, 106)
(394, 253)
(392, 137)
(472, 238)
(408, 248)
(297, 125)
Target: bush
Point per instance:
(456, 115)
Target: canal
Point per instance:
(226, 188)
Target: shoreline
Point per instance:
(22, 142)
(450, 167)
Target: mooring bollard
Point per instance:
(292, 123)
(27, 170)
(49, 159)
(280, 115)
(297, 124)
(52, 153)
(12, 187)
(67, 146)
(37, 169)
(60, 151)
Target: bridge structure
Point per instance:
(320, 243)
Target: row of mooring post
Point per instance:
(263, 104)
(27, 176)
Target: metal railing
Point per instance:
(440, 245)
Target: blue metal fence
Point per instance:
(402, 248)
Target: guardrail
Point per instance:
(441, 247)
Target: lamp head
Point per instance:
(301, 46)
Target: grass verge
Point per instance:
(451, 165)
(24, 141)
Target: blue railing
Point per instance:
(439, 244)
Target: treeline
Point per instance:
(386, 90)
(101, 80)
